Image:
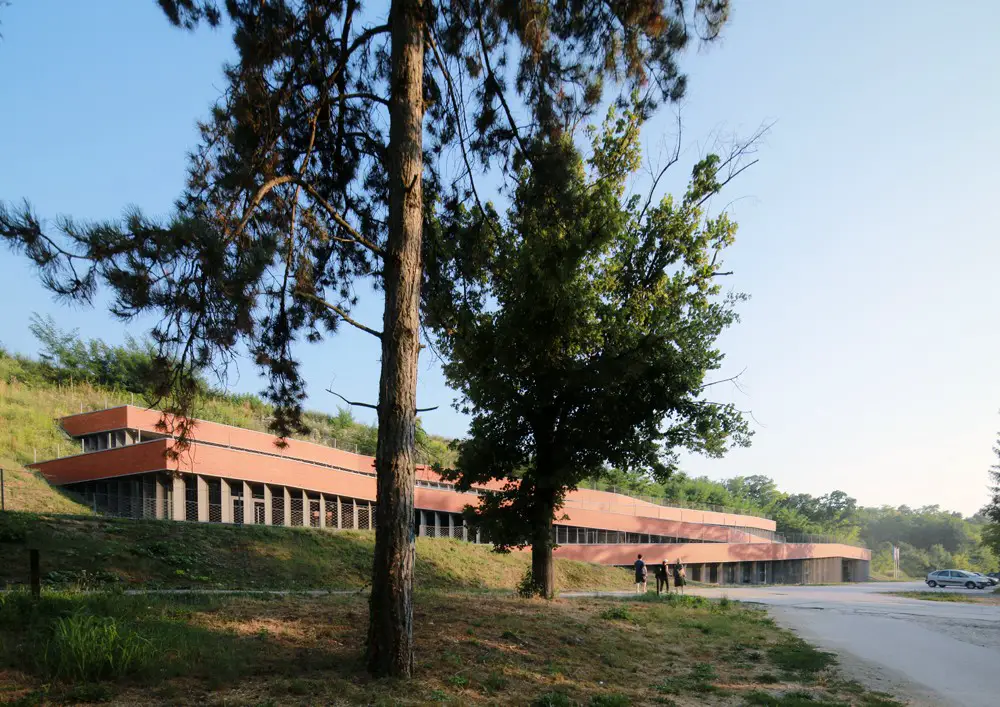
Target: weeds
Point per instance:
(699, 679)
(619, 613)
(610, 701)
(552, 699)
(87, 648)
(796, 656)
(791, 699)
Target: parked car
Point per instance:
(989, 578)
(957, 578)
(994, 575)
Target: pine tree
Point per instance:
(312, 175)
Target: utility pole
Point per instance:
(3, 494)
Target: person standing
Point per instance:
(662, 578)
(679, 576)
(640, 575)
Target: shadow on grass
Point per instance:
(69, 640)
(168, 554)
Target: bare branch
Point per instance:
(369, 405)
(352, 402)
(670, 163)
(336, 216)
(341, 313)
(458, 115)
(731, 379)
(258, 197)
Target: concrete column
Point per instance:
(248, 505)
(268, 510)
(227, 501)
(306, 510)
(180, 497)
(202, 486)
(371, 516)
(354, 515)
(288, 505)
(322, 511)
(420, 522)
(160, 498)
(136, 489)
(451, 525)
(340, 515)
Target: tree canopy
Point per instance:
(579, 329)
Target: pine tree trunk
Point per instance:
(390, 629)
(542, 563)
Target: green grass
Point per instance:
(470, 649)
(804, 698)
(93, 551)
(957, 595)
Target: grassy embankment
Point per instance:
(470, 649)
(30, 408)
(96, 552)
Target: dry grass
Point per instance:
(475, 650)
(26, 491)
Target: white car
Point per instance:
(957, 578)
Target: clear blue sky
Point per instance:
(868, 240)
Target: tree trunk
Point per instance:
(390, 629)
(542, 564)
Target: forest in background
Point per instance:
(70, 367)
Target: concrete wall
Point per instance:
(223, 500)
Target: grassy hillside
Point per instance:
(31, 404)
(93, 551)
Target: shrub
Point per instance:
(619, 613)
(527, 587)
(552, 699)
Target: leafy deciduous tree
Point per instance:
(580, 331)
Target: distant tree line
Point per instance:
(928, 537)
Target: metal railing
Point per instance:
(458, 532)
(817, 539)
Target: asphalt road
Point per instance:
(930, 652)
